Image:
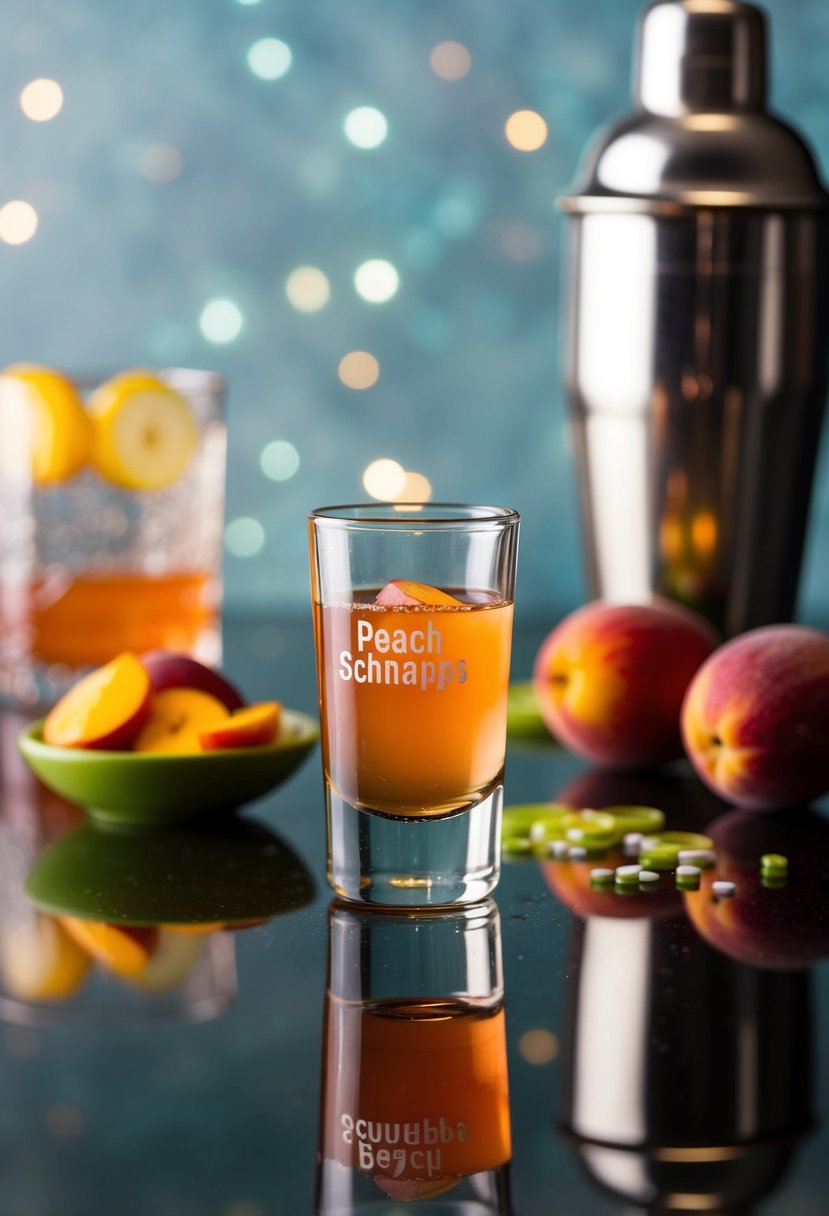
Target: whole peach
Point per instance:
(610, 680)
(755, 720)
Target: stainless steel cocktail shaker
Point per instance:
(698, 310)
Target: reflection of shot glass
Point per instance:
(413, 624)
(415, 1096)
(111, 496)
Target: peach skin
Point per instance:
(104, 710)
(755, 720)
(776, 929)
(610, 680)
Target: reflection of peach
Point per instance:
(686, 804)
(754, 719)
(173, 958)
(40, 961)
(122, 949)
(611, 678)
(779, 928)
(569, 881)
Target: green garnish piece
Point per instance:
(520, 820)
(524, 720)
(635, 818)
(774, 863)
(593, 829)
(661, 850)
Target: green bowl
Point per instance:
(217, 872)
(160, 788)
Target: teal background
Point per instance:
(469, 393)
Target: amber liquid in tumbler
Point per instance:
(85, 620)
(414, 701)
(415, 1092)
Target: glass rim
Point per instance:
(185, 379)
(417, 515)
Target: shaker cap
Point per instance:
(700, 134)
(701, 55)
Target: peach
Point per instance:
(610, 680)
(178, 717)
(169, 669)
(255, 726)
(401, 592)
(569, 882)
(40, 961)
(105, 710)
(123, 950)
(756, 718)
(777, 929)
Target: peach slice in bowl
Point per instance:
(161, 787)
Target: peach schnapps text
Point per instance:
(379, 658)
(395, 1148)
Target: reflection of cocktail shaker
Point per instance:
(688, 1074)
(698, 314)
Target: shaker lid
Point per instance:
(701, 56)
(700, 134)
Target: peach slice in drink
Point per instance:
(402, 592)
(105, 710)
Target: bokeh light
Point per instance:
(538, 1046)
(307, 289)
(450, 60)
(220, 321)
(269, 58)
(358, 369)
(416, 488)
(526, 130)
(279, 460)
(365, 127)
(41, 99)
(384, 479)
(376, 281)
(160, 163)
(18, 222)
(244, 537)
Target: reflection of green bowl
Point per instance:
(161, 788)
(221, 872)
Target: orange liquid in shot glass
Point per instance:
(414, 701)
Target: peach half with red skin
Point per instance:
(611, 679)
(169, 669)
(778, 929)
(755, 720)
(105, 710)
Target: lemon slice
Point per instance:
(144, 433)
(44, 417)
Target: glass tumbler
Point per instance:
(413, 626)
(112, 522)
(415, 1101)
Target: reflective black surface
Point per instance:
(656, 1061)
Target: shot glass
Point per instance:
(413, 627)
(415, 1094)
(100, 554)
